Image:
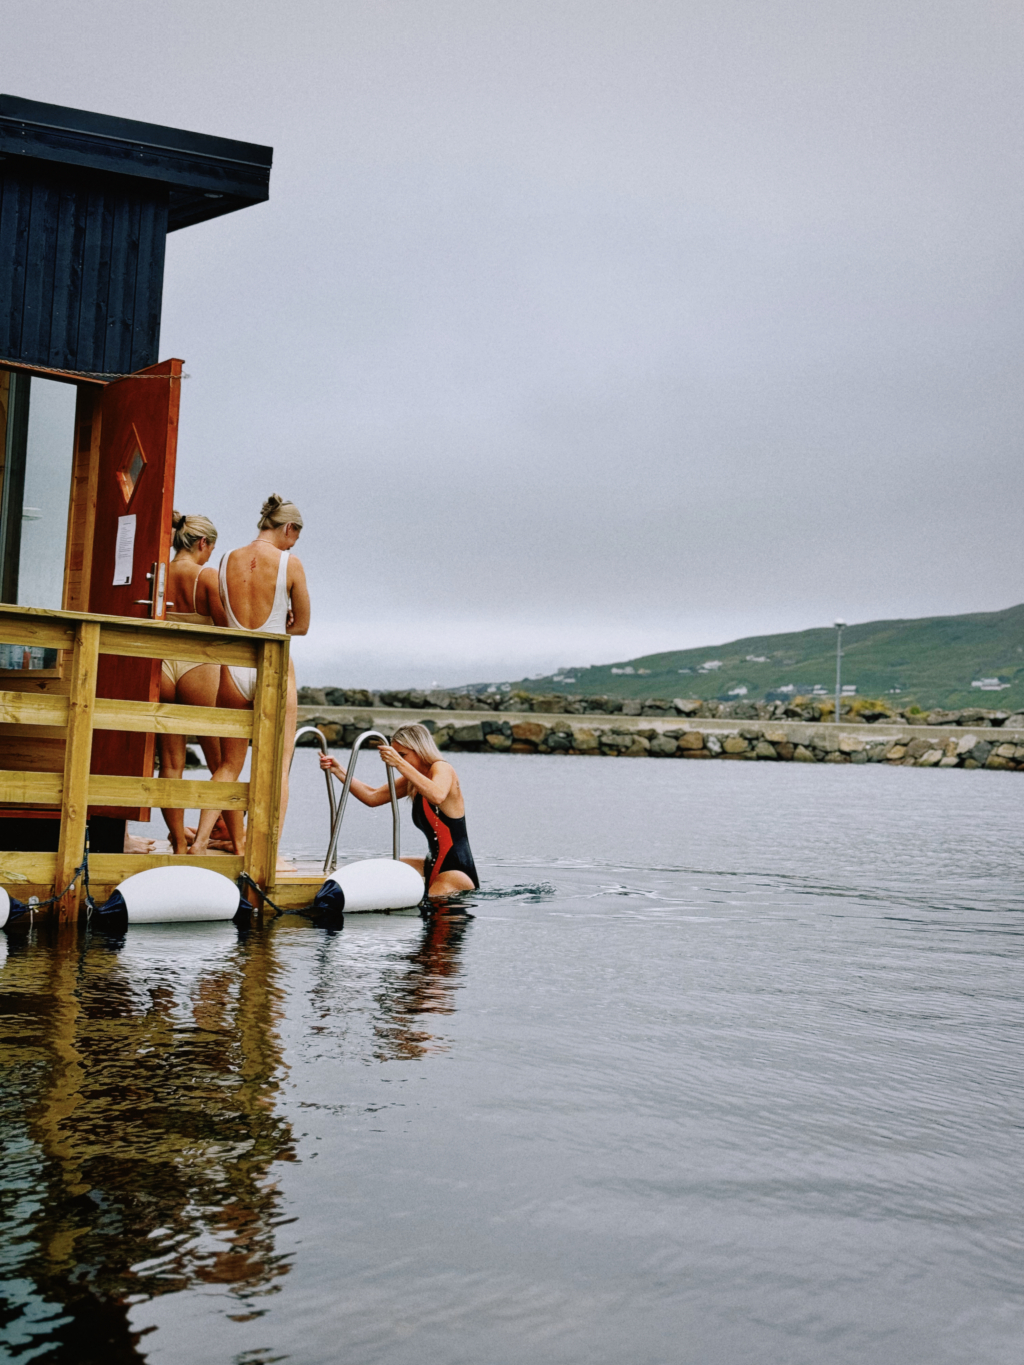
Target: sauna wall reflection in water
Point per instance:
(139, 1130)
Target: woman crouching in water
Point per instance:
(437, 807)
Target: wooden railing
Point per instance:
(35, 713)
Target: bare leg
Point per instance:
(172, 764)
(199, 687)
(290, 724)
(232, 762)
(449, 884)
(210, 745)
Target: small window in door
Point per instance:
(131, 468)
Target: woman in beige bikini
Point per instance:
(191, 597)
(261, 587)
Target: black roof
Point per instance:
(205, 176)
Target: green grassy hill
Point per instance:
(931, 661)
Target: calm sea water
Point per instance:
(721, 1065)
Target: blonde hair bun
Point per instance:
(278, 511)
(189, 531)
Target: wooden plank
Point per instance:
(169, 792)
(67, 294)
(294, 891)
(21, 708)
(34, 755)
(114, 867)
(38, 296)
(43, 789)
(149, 281)
(25, 732)
(121, 293)
(142, 623)
(18, 868)
(82, 510)
(77, 757)
(38, 681)
(18, 630)
(96, 278)
(167, 718)
(163, 718)
(163, 641)
(14, 199)
(269, 705)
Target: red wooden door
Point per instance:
(134, 498)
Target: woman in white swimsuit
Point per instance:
(192, 597)
(261, 587)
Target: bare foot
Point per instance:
(133, 844)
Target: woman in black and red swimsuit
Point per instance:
(437, 807)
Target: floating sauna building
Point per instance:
(86, 203)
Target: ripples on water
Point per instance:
(721, 1065)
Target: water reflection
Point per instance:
(139, 1128)
(367, 983)
(421, 982)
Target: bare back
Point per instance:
(191, 591)
(182, 577)
(251, 575)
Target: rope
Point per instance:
(82, 870)
(105, 375)
(292, 910)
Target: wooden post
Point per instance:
(77, 757)
(267, 765)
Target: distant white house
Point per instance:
(627, 669)
(849, 689)
(757, 659)
(710, 666)
(737, 692)
(990, 685)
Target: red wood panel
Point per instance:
(138, 446)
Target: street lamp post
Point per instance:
(840, 627)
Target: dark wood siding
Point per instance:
(82, 279)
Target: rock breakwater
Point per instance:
(952, 745)
(855, 712)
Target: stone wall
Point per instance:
(952, 745)
(854, 710)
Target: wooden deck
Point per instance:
(46, 730)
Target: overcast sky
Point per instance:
(583, 329)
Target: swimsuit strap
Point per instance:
(278, 619)
(223, 579)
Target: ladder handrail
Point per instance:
(331, 861)
(315, 730)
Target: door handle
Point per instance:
(157, 577)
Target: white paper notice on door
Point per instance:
(124, 551)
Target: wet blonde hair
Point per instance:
(419, 739)
(189, 531)
(277, 511)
